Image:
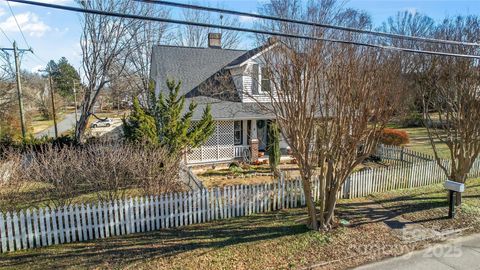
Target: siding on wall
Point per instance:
(246, 83)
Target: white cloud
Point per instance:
(36, 69)
(2, 11)
(247, 19)
(29, 22)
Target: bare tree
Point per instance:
(195, 36)
(104, 40)
(451, 90)
(144, 39)
(360, 94)
(410, 24)
(7, 92)
(331, 101)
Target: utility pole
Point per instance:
(75, 101)
(16, 53)
(52, 96)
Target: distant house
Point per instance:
(230, 81)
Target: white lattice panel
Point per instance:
(212, 141)
(220, 146)
(209, 153)
(195, 155)
(225, 133)
(225, 152)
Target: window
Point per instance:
(238, 132)
(266, 87)
(255, 78)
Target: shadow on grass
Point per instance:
(390, 210)
(390, 213)
(122, 250)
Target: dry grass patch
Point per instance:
(264, 241)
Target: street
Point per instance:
(66, 124)
(457, 254)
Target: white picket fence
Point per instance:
(402, 154)
(404, 175)
(45, 227)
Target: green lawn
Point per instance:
(37, 194)
(420, 142)
(263, 241)
(428, 206)
(275, 240)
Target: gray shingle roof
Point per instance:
(197, 67)
(228, 110)
(190, 65)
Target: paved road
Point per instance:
(459, 254)
(66, 124)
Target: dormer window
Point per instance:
(260, 79)
(255, 79)
(265, 83)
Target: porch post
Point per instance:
(254, 141)
(245, 132)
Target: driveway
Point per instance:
(66, 124)
(458, 254)
(114, 131)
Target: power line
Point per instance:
(18, 25)
(239, 29)
(23, 36)
(5, 34)
(39, 58)
(310, 23)
(35, 59)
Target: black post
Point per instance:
(451, 209)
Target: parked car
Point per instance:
(102, 123)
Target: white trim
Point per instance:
(253, 130)
(254, 56)
(245, 133)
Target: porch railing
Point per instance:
(238, 150)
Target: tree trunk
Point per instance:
(458, 199)
(81, 127)
(459, 177)
(330, 207)
(312, 212)
(322, 201)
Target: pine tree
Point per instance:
(274, 148)
(175, 128)
(64, 76)
(139, 126)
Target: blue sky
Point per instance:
(53, 33)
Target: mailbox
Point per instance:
(454, 186)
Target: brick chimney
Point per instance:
(215, 40)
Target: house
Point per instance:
(231, 82)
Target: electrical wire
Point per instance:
(239, 29)
(5, 34)
(310, 23)
(18, 25)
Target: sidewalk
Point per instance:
(457, 254)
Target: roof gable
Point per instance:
(202, 71)
(191, 66)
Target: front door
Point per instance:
(262, 132)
